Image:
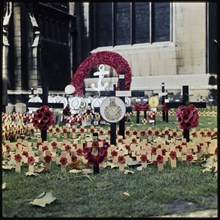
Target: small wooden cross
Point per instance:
(185, 101)
(44, 102)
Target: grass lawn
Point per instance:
(78, 195)
(102, 195)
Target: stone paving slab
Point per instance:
(212, 213)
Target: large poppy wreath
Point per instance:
(188, 116)
(43, 118)
(104, 57)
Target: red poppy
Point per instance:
(73, 158)
(156, 132)
(121, 159)
(153, 150)
(120, 140)
(7, 148)
(127, 133)
(164, 152)
(109, 131)
(114, 153)
(143, 157)
(128, 147)
(166, 132)
(101, 132)
(67, 148)
(82, 130)
(47, 158)
(89, 164)
(209, 133)
(179, 147)
(202, 133)
(174, 133)
(92, 130)
(63, 160)
(38, 144)
(73, 130)
(189, 157)
(57, 129)
(194, 134)
(199, 148)
(64, 130)
(135, 132)
(54, 145)
(79, 152)
(134, 141)
(173, 154)
(149, 132)
(216, 151)
(74, 145)
(18, 158)
(25, 153)
(31, 160)
(160, 159)
(142, 133)
(45, 147)
(95, 144)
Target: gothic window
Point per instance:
(127, 23)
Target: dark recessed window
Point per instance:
(130, 23)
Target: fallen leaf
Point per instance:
(43, 199)
(75, 171)
(128, 172)
(76, 165)
(8, 167)
(3, 185)
(87, 171)
(132, 163)
(140, 168)
(126, 194)
(31, 174)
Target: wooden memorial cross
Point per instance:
(164, 96)
(112, 125)
(185, 101)
(121, 94)
(44, 102)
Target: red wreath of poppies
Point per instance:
(188, 116)
(43, 118)
(104, 57)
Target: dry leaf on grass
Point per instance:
(75, 171)
(132, 163)
(128, 172)
(43, 199)
(3, 185)
(87, 171)
(140, 168)
(126, 194)
(8, 167)
(31, 174)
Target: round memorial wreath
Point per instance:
(188, 116)
(43, 118)
(112, 59)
